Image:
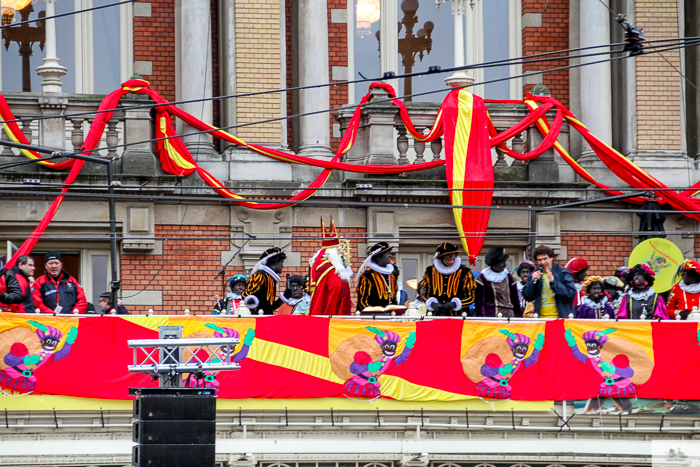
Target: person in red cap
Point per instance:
(685, 294)
(579, 269)
(329, 276)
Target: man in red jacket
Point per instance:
(24, 272)
(57, 291)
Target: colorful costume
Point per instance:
(19, 375)
(647, 302)
(685, 296)
(377, 285)
(496, 384)
(261, 288)
(577, 265)
(208, 379)
(329, 285)
(496, 292)
(590, 308)
(230, 304)
(365, 383)
(616, 375)
(443, 284)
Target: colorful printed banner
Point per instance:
(302, 357)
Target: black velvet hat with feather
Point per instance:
(496, 255)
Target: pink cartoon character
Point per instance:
(365, 383)
(496, 384)
(19, 375)
(207, 379)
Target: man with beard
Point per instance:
(261, 288)
(496, 290)
(329, 277)
(448, 287)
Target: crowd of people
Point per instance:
(54, 292)
(541, 288)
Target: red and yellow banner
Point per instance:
(306, 357)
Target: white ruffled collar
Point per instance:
(388, 269)
(264, 268)
(447, 270)
(692, 288)
(493, 276)
(586, 300)
(641, 295)
(291, 301)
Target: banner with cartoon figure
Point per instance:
(306, 357)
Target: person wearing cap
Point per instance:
(329, 276)
(641, 301)
(261, 289)
(56, 289)
(292, 296)
(377, 278)
(615, 291)
(448, 287)
(685, 295)
(105, 305)
(496, 290)
(595, 304)
(522, 272)
(579, 269)
(233, 299)
(550, 287)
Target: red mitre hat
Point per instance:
(690, 264)
(330, 236)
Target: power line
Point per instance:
(539, 72)
(527, 59)
(61, 15)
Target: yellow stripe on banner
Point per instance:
(172, 152)
(398, 388)
(459, 157)
(148, 322)
(293, 359)
(238, 141)
(43, 402)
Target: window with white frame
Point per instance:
(492, 32)
(94, 46)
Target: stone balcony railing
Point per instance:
(122, 140)
(382, 139)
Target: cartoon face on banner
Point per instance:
(492, 354)
(194, 328)
(26, 345)
(360, 354)
(623, 357)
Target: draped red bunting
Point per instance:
(462, 119)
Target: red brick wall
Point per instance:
(184, 271)
(337, 56)
(553, 35)
(154, 40)
(603, 253)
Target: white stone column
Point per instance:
(314, 134)
(459, 77)
(51, 70)
(195, 63)
(596, 80)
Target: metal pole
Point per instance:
(533, 233)
(112, 236)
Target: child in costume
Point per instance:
(594, 305)
(230, 304)
(685, 294)
(642, 301)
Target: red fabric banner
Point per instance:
(288, 357)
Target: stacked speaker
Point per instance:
(174, 427)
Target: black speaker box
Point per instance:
(178, 455)
(175, 407)
(174, 432)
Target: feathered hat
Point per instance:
(598, 336)
(446, 248)
(236, 279)
(222, 332)
(687, 265)
(44, 331)
(330, 236)
(514, 338)
(590, 280)
(384, 336)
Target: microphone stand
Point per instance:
(222, 273)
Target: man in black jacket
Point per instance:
(106, 305)
(10, 291)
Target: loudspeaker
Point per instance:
(174, 455)
(174, 427)
(175, 407)
(174, 432)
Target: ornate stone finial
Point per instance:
(541, 90)
(242, 310)
(412, 310)
(150, 312)
(187, 311)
